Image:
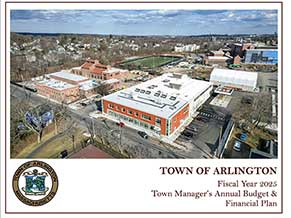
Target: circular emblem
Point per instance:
(35, 183)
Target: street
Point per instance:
(130, 141)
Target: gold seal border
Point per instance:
(24, 199)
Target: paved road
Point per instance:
(129, 135)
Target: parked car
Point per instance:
(83, 104)
(202, 119)
(237, 146)
(243, 137)
(187, 133)
(191, 129)
(143, 134)
(64, 153)
(121, 124)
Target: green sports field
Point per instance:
(150, 61)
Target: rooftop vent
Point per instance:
(175, 86)
(157, 94)
(177, 75)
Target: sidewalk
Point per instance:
(169, 140)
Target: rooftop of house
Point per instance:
(90, 151)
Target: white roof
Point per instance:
(234, 77)
(57, 84)
(110, 81)
(162, 96)
(68, 76)
(87, 85)
(218, 58)
(217, 52)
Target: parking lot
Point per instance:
(230, 152)
(201, 136)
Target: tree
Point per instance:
(61, 113)
(256, 113)
(261, 110)
(103, 89)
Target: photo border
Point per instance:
(145, 2)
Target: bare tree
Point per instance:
(61, 113)
(261, 110)
(103, 89)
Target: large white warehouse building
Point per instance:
(241, 80)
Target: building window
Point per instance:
(136, 114)
(117, 108)
(145, 117)
(175, 120)
(123, 110)
(186, 109)
(111, 106)
(129, 112)
(158, 121)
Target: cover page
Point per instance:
(144, 108)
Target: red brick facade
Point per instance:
(179, 117)
(66, 95)
(176, 120)
(136, 114)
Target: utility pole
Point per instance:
(93, 128)
(73, 140)
(120, 132)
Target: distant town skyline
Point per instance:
(145, 22)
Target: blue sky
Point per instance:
(145, 22)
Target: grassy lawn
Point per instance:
(151, 61)
(30, 147)
(55, 147)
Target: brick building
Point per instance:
(94, 70)
(58, 90)
(240, 49)
(217, 60)
(66, 87)
(161, 105)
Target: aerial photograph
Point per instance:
(190, 84)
